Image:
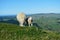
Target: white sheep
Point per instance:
(21, 18)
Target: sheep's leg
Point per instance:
(21, 24)
(31, 24)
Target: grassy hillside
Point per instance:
(15, 32)
(45, 21)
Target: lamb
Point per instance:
(30, 21)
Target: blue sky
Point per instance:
(13, 7)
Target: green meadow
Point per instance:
(15, 32)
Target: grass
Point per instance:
(15, 32)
